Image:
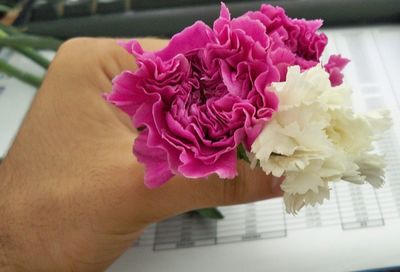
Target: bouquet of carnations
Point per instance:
(250, 88)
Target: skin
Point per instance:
(71, 192)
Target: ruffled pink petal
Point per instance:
(334, 67)
(225, 167)
(191, 38)
(124, 95)
(157, 170)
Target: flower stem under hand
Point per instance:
(212, 213)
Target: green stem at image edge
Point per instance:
(26, 51)
(19, 74)
(30, 41)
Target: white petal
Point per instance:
(371, 166)
(294, 202)
(379, 120)
(301, 182)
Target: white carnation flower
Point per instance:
(315, 138)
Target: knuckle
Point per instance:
(76, 50)
(74, 60)
(74, 44)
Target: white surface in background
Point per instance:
(317, 249)
(15, 99)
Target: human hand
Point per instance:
(71, 193)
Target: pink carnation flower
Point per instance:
(207, 92)
(192, 119)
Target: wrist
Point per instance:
(8, 259)
(5, 239)
(21, 247)
(8, 246)
(5, 264)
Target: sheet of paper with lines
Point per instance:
(357, 229)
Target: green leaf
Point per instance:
(19, 74)
(4, 8)
(10, 30)
(241, 153)
(212, 213)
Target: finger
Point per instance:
(116, 59)
(180, 194)
(97, 60)
(121, 186)
(89, 65)
(249, 186)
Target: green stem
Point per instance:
(212, 213)
(21, 75)
(33, 55)
(30, 41)
(27, 51)
(241, 153)
(10, 30)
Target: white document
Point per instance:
(357, 229)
